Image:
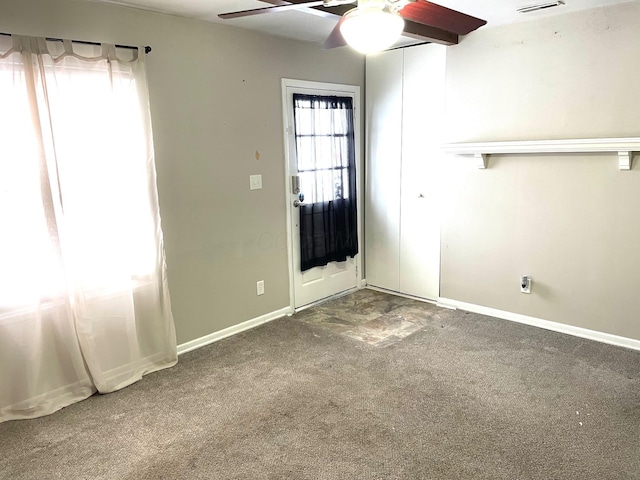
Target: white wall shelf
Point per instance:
(623, 147)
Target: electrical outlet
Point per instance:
(260, 287)
(525, 284)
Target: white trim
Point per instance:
(287, 183)
(546, 324)
(624, 147)
(232, 330)
(314, 87)
(445, 305)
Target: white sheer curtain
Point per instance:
(84, 302)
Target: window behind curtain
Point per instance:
(102, 221)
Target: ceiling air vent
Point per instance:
(539, 6)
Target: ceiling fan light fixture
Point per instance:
(370, 30)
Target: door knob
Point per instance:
(297, 203)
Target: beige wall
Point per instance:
(215, 101)
(568, 221)
(571, 222)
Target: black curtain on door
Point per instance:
(325, 149)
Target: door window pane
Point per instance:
(322, 130)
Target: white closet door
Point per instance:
(423, 113)
(384, 150)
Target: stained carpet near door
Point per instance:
(464, 397)
(372, 317)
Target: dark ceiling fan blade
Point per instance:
(429, 34)
(321, 10)
(441, 17)
(335, 38)
(277, 8)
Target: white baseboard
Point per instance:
(546, 324)
(227, 332)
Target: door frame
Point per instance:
(320, 88)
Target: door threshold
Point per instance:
(326, 299)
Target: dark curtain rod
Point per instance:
(147, 48)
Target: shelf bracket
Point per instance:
(481, 160)
(624, 160)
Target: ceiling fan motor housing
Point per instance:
(392, 6)
(335, 3)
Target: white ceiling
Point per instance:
(306, 25)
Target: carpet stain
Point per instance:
(372, 317)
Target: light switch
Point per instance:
(255, 182)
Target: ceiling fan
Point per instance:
(375, 25)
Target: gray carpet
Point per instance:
(464, 397)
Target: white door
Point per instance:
(384, 167)
(420, 199)
(320, 282)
